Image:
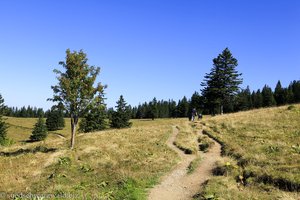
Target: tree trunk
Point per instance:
(74, 121)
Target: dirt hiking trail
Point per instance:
(178, 185)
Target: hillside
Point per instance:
(260, 151)
(263, 150)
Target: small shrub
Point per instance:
(291, 107)
(3, 132)
(40, 131)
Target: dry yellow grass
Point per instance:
(106, 164)
(187, 136)
(264, 142)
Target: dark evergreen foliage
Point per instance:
(28, 111)
(280, 95)
(3, 125)
(120, 118)
(222, 83)
(152, 111)
(55, 120)
(295, 88)
(243, 100)
(267, 97)
(39, 131)
(183, 107)
(94, 120)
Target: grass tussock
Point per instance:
(186, 139)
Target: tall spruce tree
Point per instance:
(244, 100)
(172, 109)
(295, 85)
(120, 118)
(222, 83)
(279, 94)
(75, 89)
(3, 125)
(257, 99)
(267, 97)
(183, 107)
(39, 131)
(152, 109)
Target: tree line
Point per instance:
(243, 100)
(77, 96)
(28, 111)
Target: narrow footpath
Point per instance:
(178, 185)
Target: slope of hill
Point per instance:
(265, 147)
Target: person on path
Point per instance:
(194, 114)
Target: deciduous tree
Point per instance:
(75, 89)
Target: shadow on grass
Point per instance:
(37, 149)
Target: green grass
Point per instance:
(264, 145)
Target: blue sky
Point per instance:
(145, 48)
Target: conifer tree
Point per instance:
(55, 119)
(39, 131)
(257, 99)
(295, 85)
(222, 83)
(279, 94)
(152, 109)
(289, 94)
(267, 97)
(183, 107)
(95, 119)
(172, 109)
(139, 113)
(3, 126)
(120, 118)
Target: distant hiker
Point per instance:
(194, 113)
(200, 116)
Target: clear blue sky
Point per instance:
(145, 48)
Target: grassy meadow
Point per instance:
(264, 152)
(261, 157)
(111, 164)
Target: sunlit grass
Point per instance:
(106, 164)
(186, 140)
(264, 143)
